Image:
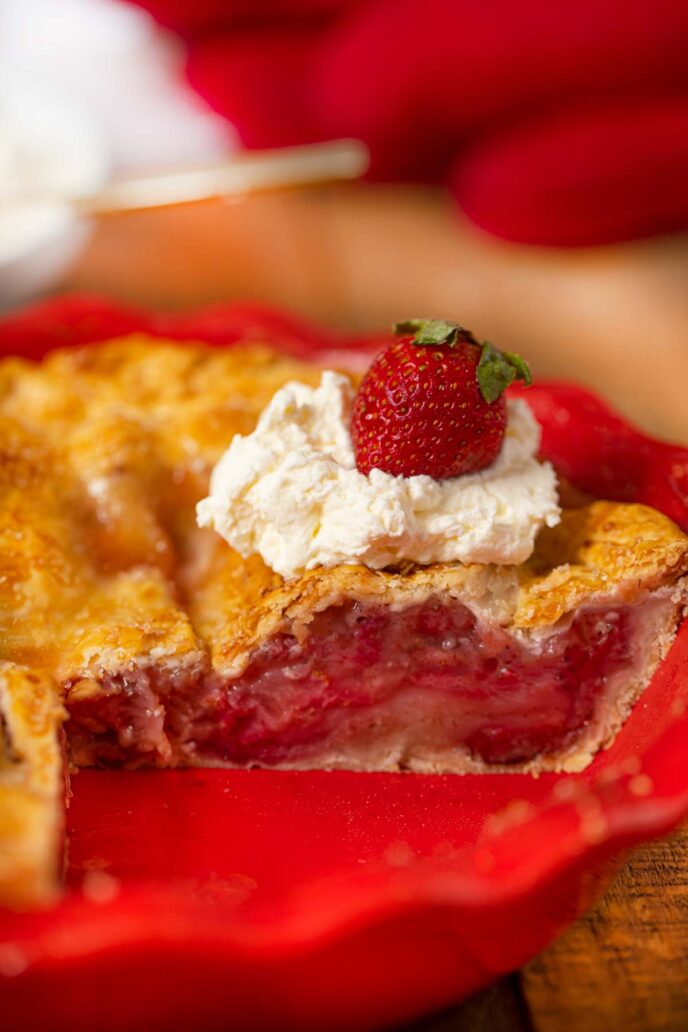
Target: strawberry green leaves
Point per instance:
(497, 369)
(429, 332)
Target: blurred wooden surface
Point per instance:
(615, 319)
(624, 965)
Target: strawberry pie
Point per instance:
(227, 557)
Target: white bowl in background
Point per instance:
(48, 147)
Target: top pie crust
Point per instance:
(104, 451)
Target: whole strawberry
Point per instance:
(433, 402)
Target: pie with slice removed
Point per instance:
(131, 637)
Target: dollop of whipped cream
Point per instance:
(290, 491)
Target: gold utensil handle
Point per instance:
(245, 173)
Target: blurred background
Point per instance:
(528, 169)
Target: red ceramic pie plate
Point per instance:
(214, 899)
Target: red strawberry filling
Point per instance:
(373, 687)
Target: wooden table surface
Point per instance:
(623, 966)
(614, 318)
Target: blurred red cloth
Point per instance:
(552, 122)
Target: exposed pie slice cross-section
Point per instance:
(166, 648)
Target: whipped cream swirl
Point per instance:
(290, 491)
